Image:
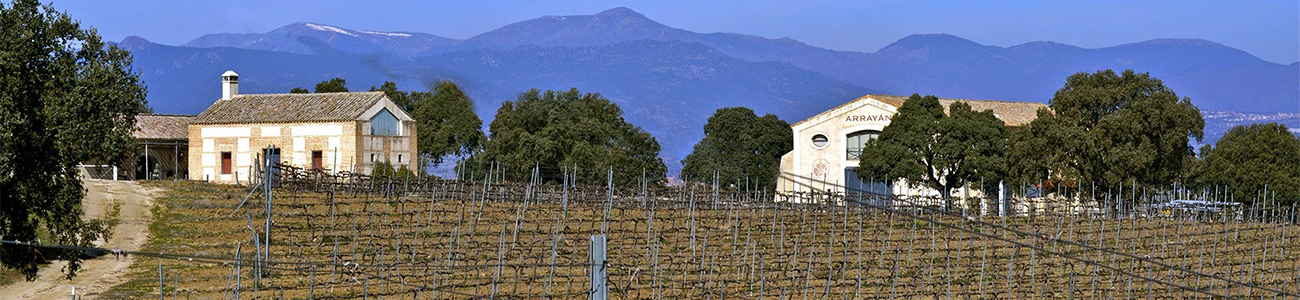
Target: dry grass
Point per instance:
(8, 276)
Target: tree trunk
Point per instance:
(946, 194)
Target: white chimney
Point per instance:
(229, 85)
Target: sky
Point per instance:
(1267, 29)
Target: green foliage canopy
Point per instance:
(741, 147)
(1108, 129)
(335, 85)
(1250, 158)
(940, 151)
(447, 123)
(557, 129)
(66, 97)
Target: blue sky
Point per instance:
(1268, 29)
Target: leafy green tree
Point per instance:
(335, 85)
(741, 147)
(1047, 146)
(447, 123)
(1250, 158)
(557, 129)
(940, 151)
(66, 97)
(298, 90)
(1108, 129)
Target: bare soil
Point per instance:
(129, 204)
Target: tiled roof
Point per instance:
(283, 108)
(1014, 114)
(162, 127)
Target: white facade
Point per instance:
(824, 156)
(824, 164)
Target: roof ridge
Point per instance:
(289, 107)
(166, 115)
(903, 99)
(305, 94)
(953, 99)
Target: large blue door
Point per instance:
(855, 184)
(272, 154)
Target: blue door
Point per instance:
(272, 154)
(854, 185)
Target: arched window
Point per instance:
(384, 123)
(858, 140)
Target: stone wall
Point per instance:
(344, 146)
(399, 150)
(297, 141)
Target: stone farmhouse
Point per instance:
(332, 132)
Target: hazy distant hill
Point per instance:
(187, 80)
(669, 87)
(669, 80)
(1215, 76)
(312, 38)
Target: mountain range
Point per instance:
(669, 80)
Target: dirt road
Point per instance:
(96, 275)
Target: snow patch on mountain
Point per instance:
(397, 34)
(329, 28)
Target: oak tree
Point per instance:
(66, 97)
(929, 148)
(1252, 159)
(559, 130)
(334, 85)
(446, 121)
(1107, 129)
(741, 147)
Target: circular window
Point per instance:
(819, 141)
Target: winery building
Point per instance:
(333, 132)
(827, 146)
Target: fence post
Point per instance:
(160, 280)
(599, 274)
(267, 189)
(1002, 199)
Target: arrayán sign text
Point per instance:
(868, 118)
